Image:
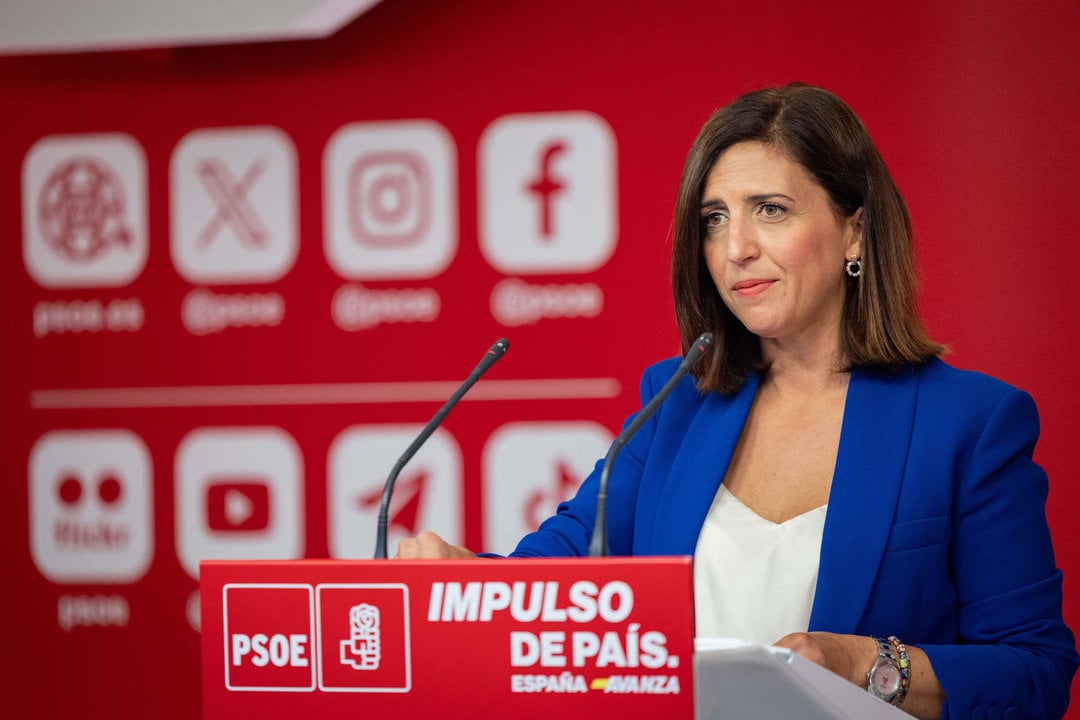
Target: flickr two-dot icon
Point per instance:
(91, 506)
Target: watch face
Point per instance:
(886, 679)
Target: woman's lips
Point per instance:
(751, 288)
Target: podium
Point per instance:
(459, 638)
(536, 638)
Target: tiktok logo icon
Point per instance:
(557, 172)
(548, 460)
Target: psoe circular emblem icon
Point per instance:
(81, 210)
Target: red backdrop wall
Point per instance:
(265, 434)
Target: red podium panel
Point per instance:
(491, 638)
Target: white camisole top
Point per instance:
(754, 579)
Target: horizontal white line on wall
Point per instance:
(321, 394)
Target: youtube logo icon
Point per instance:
(237, 504)
(239, 494)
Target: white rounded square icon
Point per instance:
(548, 196)
(427, 494)
(390, 200)
(531, 467)
(91, 506)
(84, 210)
(233, 205)
(239, 495)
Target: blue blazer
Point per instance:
(936, 528)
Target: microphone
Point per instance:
(598, 546)
(497, 351)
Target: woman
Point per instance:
(836, 482)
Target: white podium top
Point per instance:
(736, 680)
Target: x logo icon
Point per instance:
(230, 196)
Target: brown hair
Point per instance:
(880, 326)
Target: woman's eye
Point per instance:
(772, 211)
(713, 219)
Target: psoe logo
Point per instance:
(390, 194)
(363, 637)
(91, 507)
(548, 200)
(268, 637)
(84, 210)
(361, 650)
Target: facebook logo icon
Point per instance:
(548, 195)
(545, 186)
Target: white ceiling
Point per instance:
(58, 26)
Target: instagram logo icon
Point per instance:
(390, 200)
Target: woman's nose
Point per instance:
(741, 240)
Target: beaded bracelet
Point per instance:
(905, 668)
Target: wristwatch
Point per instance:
(883, 679)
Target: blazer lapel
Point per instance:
(874, 439)
(698, 469)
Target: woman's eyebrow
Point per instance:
(769, 196)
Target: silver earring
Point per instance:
(853, 267)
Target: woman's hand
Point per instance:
(429, 546)
(851, 656)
